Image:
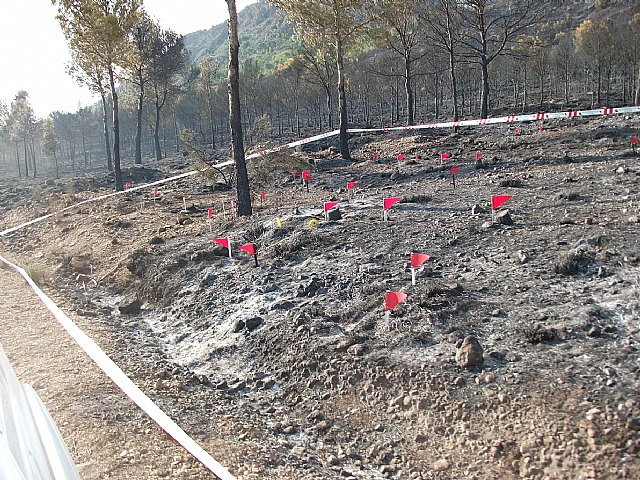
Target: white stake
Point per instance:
(387, 314)
(184, 202)
(385, 216)
(413, 276)
(229, 243)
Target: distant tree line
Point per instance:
(360, 63)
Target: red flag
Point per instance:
(498, 200)
(350, 185)
(374, 156)
(262, 195)
(401, 157)
(541, 128)
(517, 131)
(418, 259)
(390, 202)
(329, 205)
(454, 170)
(294, 173)
(634, 140)
(127, 185)
(250, 248)
(444, 156)
(391, 299)
(222, 241)
(306, 175)
(155, 193)
(478, 156)
(210, 212)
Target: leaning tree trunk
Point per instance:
(116, 132)
(105, 121)
(342, 105)
(235, 116)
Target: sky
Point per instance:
(34, 53)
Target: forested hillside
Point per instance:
(405, 62)
(265, 36)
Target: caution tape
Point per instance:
(541, 116)
(124, 382)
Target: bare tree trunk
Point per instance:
(409, 91)
(138, 155)
(26, 158)
(235, 118)
(342, 104)
(454, 86)
(116, 132)
(156, 134)
(105, 121)
(484, 98)
(637, 102)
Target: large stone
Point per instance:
(334, 214)
(470, 354)
(130, 305)
(503, 217)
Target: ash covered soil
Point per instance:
(287, 370)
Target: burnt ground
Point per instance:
(287, 370)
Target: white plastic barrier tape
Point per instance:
(464, 123)
(31, 447)
(121, 380)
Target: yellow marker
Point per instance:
(278, 222)
(313, 223)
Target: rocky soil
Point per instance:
(287, 370)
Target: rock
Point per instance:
(79, 265)
(334, 215)
(253, 323)
(470, 353)
(504, 218)
(130, 305)
(155, 240)
(239, 326)
(282, 305)
(477, 210)
(634, 219)
(621, 170)
(441, 465)
(323, 426)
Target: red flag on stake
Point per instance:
(517, 131)
(392, 299)
(262, 195)
(635, 140)
(295, 174)
(418, 259)
(250, 248)
(350, 185)
(224, 241)
(155, 193)
(329, 205)
(387, 204)
(306, 175)
(127, 185)
(444, 156)
(374, 156)
(498, 200)
(401, 157)
(478, 156)
(210, 212)
(390, 202)
(454, 170)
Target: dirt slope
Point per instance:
(288, 371)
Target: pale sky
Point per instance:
(34, 54)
